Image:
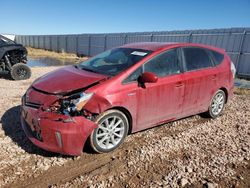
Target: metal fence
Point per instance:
(236, 42)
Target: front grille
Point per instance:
(32, 105)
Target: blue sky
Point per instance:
(100, 16)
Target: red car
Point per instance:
(122, 91)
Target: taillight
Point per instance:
(233, 69)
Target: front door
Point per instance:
(161, 101)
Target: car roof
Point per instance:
(154, 46)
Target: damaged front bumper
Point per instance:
(55, 132)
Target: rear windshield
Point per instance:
(112, 62)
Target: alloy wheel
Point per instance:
(218, 103)
(110, 132)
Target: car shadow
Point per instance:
(12, 127)
(5, 76)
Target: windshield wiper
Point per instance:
(91, 70)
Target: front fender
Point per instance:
(97, 104)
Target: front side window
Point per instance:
(114, 61)
(167, 63)
(196, 58)
(134, 76)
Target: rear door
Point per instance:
(200, 80)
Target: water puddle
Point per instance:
(47, 61)
(241, 83)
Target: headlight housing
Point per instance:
(74, 103)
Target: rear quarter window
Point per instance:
(218, 57)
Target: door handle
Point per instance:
(214, 77)
(131, 94)
(179, 84)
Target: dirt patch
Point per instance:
(191, 152)
(34, 53)
(242, 91)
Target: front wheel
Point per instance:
(20, 71)
(217, 104)
(111, 131)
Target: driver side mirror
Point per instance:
(148, 77)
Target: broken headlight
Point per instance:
(73, 104)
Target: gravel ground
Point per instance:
(189, 152)
(192, 152)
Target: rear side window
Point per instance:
(218, 57)
(166, 63)
(196, 58)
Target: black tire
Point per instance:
(97, 147)
(211, 113)
(20, 71)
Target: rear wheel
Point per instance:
(217, 104)
(20, 71)
(111, 131)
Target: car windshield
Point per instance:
(112, 62)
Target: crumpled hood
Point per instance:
(66, 79)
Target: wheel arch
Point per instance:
(127, 114)
(226, 92)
